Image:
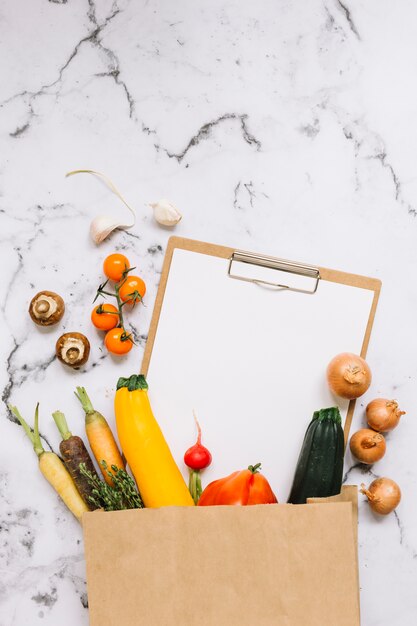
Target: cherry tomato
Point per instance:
(105, 316)
(132, 290)
(118, 341)
(114, 265)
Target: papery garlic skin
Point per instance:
(165, 213)
(102, 226)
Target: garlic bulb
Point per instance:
(165, 213)
(103, 225)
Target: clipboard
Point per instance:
(234, 336)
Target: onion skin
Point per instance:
(383, 495)
(348, 375)
(383, 415)
(367, 446)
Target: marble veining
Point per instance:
(280, 127)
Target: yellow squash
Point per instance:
(158, 477)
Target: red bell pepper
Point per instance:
(240, 488)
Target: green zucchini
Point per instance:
(319, 469)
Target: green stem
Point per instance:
(116, 294)
(255, 468)
(23, 423)
(61, 422)
(85, 400)
(119, 304)
(107, 293)
(101, 311)
(37, 444)
(136, 381)
(330, 414)
(194, 485)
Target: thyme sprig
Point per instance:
(122, 495)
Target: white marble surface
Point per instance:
(283, 127)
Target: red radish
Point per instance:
(196, 458)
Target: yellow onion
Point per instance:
(348, 375)
(383, 495)
(367, 446)
(383, 414)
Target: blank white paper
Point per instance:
(250, 361)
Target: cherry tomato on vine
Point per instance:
(132, 290)
(114, 265)
(105, 316)
(118, 341)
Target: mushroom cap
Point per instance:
(45, 317)
(73, 349)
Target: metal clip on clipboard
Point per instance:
(273, 263)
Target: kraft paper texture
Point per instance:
(265, 565)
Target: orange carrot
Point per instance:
(100, 437)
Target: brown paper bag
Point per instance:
(349, 493)
(281, 565)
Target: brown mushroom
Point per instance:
(46, 308)
(73, 349)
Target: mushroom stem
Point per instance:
(42, 306)
(46, 308)
(72, 354)
(73, 349)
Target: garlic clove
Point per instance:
(102, 226)
(165, 213)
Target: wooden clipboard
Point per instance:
(223, 252)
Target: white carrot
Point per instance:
(53, 468)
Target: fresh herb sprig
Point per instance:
(123, 495)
